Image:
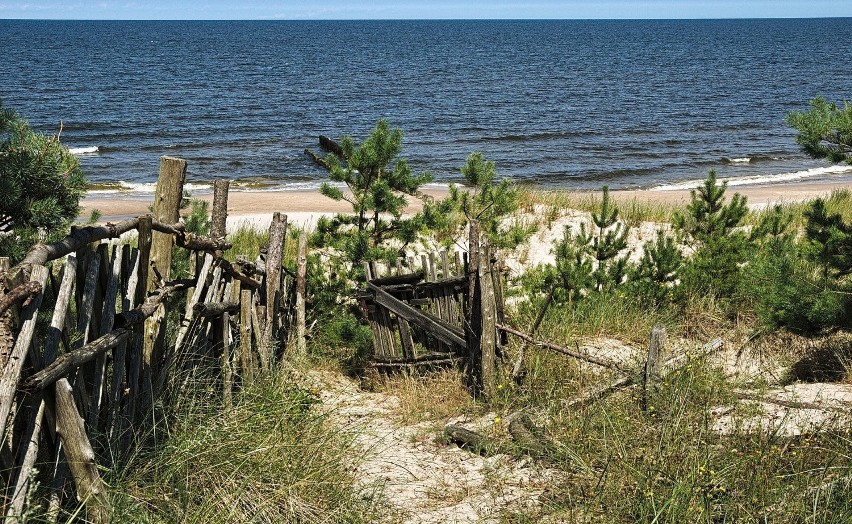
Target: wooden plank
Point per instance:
(197, 292)
(25, 485)
(301, 283)
(60, 310)
(227, 357)
(274, 259)
(11, 373)
(473, 319)
(107, 317)
(80, 456)
(499, 302)
(421, 319)
(369, 313)
(245, 335)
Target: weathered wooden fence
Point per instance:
(437, 308)
(78, 393)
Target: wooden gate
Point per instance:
(437, 309)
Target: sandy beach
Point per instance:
(303, 208)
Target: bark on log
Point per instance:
(467, 439)
(18, 295)
(68, 361)
(219, 215)
(149, 306)
(215, 309)
(80, 456)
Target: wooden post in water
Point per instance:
(167, 199)
(301, 278)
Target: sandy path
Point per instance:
(425, 481)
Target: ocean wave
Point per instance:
(243, 186)
(83, 150)
(749, 159)
(756, 180)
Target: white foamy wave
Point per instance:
(758, 180)
(142, 187)
(83, 150)
(743, 160)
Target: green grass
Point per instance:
(270, 458)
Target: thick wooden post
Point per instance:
(80, 456)
(301, 277)
(167, 199)
(275, 254)
(488, 336)
(481, 320)
(219, 215)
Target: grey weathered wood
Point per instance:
(69, 361)
(274, 258)
(429, 323)
(219, 214)
(245, 334)
(80, 456)
(7, 335)
(656, 347)
(215, 309)
(107, 318)
(25, 485)
(227, 357)
(60, 310)
(488, 337)
(10, 375)
(197, 293)
(84, 309)
(370, 314)
(119, 368)
(301, 284)
(565, 351)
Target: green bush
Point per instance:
(41, 184)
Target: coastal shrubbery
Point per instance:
(41, 184)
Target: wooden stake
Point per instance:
(277, 236)
(301, 279)
(655, 350)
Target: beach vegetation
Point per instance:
(484, 198)
(711, 228)
(41, 184)
(825, 130)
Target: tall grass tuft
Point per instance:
(270, 458)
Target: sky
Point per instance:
(419, 9)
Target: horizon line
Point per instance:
(421, 19)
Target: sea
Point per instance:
(574, 104)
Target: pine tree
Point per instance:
(610, 240)
(378, 182)
(825, 131)
(41, 184)
(710, 227)
(655, 277)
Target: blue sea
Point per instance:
(555, 104)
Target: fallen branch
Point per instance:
(215, 309)
(565, 351)
(793, 404)
(623, 381)
(239, 273)
(40, 254)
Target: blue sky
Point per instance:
(420, 9)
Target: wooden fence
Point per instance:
(438, 309)
(77, 393)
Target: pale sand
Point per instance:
(304, 207)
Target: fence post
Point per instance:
(277, 236)
(301, 277)
(167, 199)
(481, 317)
(655, 350)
